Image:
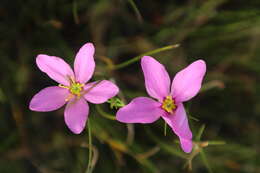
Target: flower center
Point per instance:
(76, 88)
(169, 104)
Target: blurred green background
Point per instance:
(225, 33)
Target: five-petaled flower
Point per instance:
(185, 85)
(73, 88)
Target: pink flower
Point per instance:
(73, 88)
(169, 105)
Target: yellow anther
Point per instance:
(63, 86)
(70, 96)
(168, 104)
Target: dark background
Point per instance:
(225, 33)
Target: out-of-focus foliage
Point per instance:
(225, 33)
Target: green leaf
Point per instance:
(205, 160)
(201, 130)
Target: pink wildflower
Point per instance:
(186, 84)
(73, 88)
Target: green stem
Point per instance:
(74, 12)
(137, 12)
(89, 169)
(133, 60)
(104, 114)
(205, 161)
(165, 128)
(164, 146)
(201, 130)
(217, 142)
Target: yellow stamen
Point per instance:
(63, 86)
(70, 96)
(71, 79)
(168, 104)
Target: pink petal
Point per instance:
(56, 68)
(140, 110)
(179, 124)
(76, 114)
(157, 80)
(100, 93)
(187, 83)
(186, 145)
(84, 63)
(49, 99)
